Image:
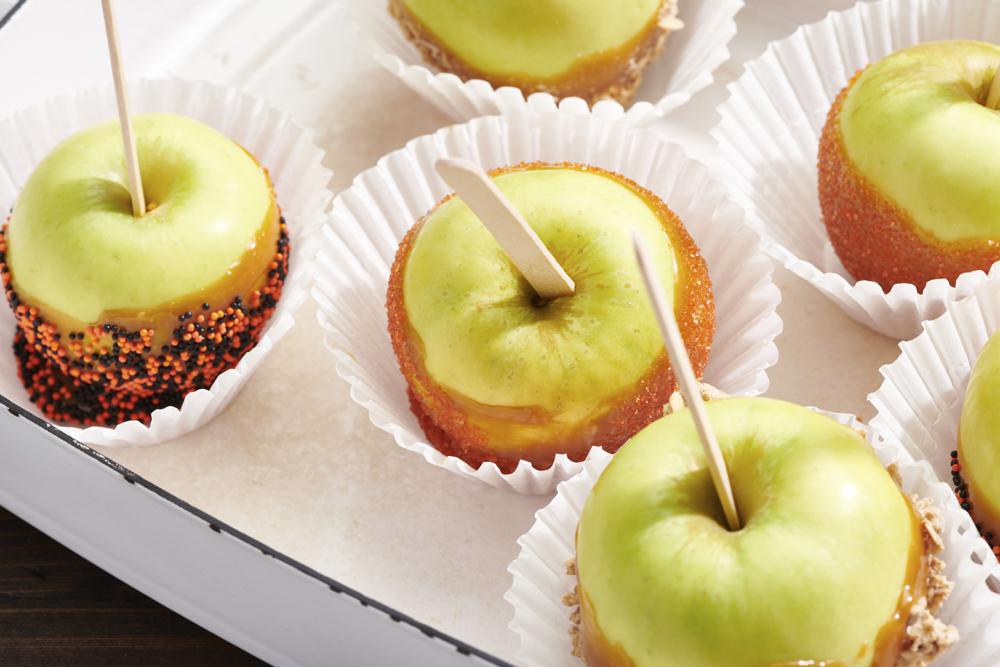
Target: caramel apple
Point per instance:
(118, 316)
(584, 48)
(496, 374)
(907, 166)
(833, 565)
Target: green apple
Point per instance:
(979, 437)
(537, 39)
(76, 251)
(535, 379)
(818, 569)
(916, 127)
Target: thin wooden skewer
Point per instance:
(681, 365)
(128, 138)
(508, 227)
(993, 97)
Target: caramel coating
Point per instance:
(875, 238)
(445, 423)
(108, 374)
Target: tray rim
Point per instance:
(221, 527)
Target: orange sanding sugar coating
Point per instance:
(874, 238)
(106, 374)
(614, 74)
(446, 424)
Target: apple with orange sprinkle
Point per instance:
(908, 163)
(496, 374)
(117, 315)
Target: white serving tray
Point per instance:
(290, 526)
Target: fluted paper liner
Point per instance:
(300, 183)
(542, 621)
(687, 65)
(920, 400)
(769, 137)
(370, 218)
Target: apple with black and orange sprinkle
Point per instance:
(118, 316)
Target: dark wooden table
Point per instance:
(58, 609)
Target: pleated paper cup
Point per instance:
(769, 137)
(920, 400)
(687, 65)
(542, 620)
(370, 218)
(280, 145)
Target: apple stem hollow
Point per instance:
(681, 365)
(128, 137)
(993, 96)
(522, 245)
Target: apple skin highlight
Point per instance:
(447, 418)
(907, 238)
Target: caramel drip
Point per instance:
(889, 642)
(597, 650)
(613, 73)
(246, 275)
(502, 424)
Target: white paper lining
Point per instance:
(920, 400)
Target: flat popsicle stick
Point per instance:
(681, 365)
(508, 227)
(993, 97)
(128, 138)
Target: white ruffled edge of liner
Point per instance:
(464, 100)
(281, 145)
(920, 399)
(542, 621)
(359, 245)
(782, 98)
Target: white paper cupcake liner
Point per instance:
(542, 621)
(920, 401)
(370, 218)
(686, 65)
(769, 137)
(280, 145)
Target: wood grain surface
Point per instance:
(58, 609)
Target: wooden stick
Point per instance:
(508, 227)
(993, 97)
(128, 138)
(681, 365)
